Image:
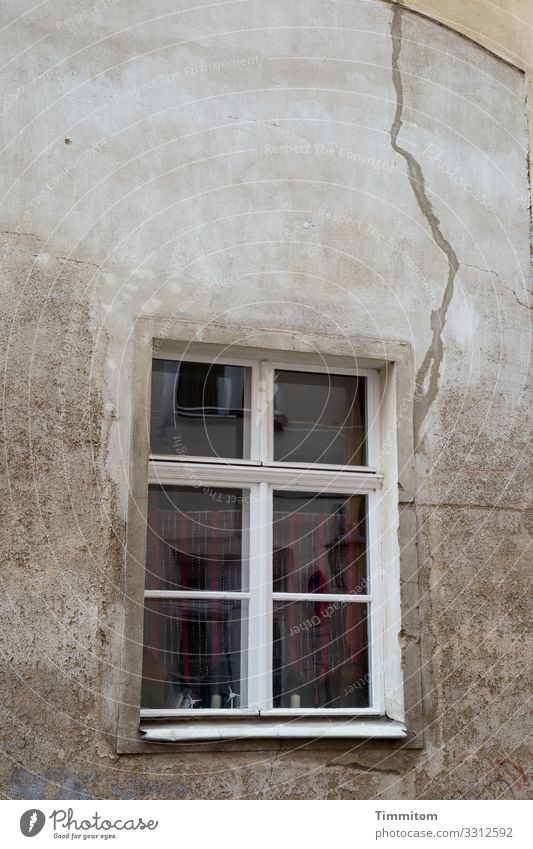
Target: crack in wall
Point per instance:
(500, 281)
(269, 777)
(427, 378)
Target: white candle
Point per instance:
(295, 701)
(216, 702)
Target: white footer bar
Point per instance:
(177, 732)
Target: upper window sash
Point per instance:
(250, 437)
(371, 433)
(260, 445)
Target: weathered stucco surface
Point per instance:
(341, 168)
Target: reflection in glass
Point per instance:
(320, 655)
(194, 654)
(319, 543)
(319, 418)
(200, 409)
(195, 539)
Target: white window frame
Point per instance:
(260, 475)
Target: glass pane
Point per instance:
(319, 418)
(194, 654)
(319, 543)
(320, 655)
(200, 409)
(195, 539)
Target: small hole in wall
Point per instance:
(68, 141)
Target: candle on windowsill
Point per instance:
(295, 701)
(216, 702)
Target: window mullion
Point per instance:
(164, 472)
(376, 613)
(372, 423)
(268, 606)
(343, 598)
(259, 673)
(255, 397)
(197, 594)
(265, 412)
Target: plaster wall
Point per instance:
(334, 169)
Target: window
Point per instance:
(263, 592)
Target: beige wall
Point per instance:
(503, 26)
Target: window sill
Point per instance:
(180, 732)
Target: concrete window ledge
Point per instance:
(179, 732)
